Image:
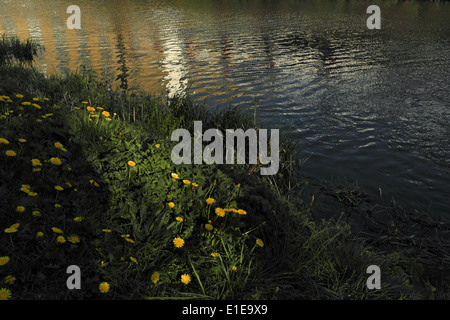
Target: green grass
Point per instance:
(270, 249)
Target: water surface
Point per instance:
(369, 105)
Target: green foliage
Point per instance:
(256, 240)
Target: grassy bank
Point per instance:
(87, 180)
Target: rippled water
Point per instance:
(369, 105)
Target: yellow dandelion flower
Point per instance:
(26, 103)
(25, 188)
(20, 209)
(15, 225)
(74, 238)
(39, 234)
(90, 109)
(32, 194)
(178, 242)
(155, 277)
(215, 254)
(259, 242)
(171, 204)
(106, 114)
(175, 176)
(59, 188)
(35, 99)
(36, 162)
(84, 102)
(108, 119)
(56, 161)
(58, 145)
(10, 279)
(22, 140)
(180, 219)
(10, 230)
(36, 213)
(133, 260)
(10, 153)
(99, 108)
(69, 184)
(78, 219)
(208, 227)
(96, 184)
(210, 201)
(104, 287)
(185, 278)
(36, 106)
(131, 163)
(5, 294)
(220, 212)
(56, 230)
(60, 239)
(20, 96)
(157, 145)
(57, 205)
(242, 212)
(233, 268)
(194, 184)
(125, 235)
(129, 240)
(186, 182)
(106, 230)
(4, 260)
(4, 141)
(94, 116)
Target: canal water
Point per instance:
(368, 106)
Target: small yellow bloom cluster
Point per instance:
(92, 110)
(27, 189)
(12, 228)
(6, 99)
(61, 239)
(176, 177)
(95, 183)
(60, 146)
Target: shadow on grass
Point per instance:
(50, 200)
